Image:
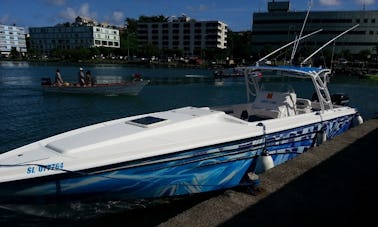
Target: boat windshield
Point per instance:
(303, 87)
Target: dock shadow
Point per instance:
(340, 191)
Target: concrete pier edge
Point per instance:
(331, 181)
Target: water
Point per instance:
(28, 115)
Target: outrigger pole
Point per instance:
(309, 57)
(295, 47)
(296, 40)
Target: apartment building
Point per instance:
(183, 33)
(280, 25)
(12, 37)
(83, 33)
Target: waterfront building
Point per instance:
(83, 33)
(280, 25)
(12, 37)
(183, 33)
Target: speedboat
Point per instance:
(181, 151)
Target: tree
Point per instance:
(14, 54)
(364, 54)
(239, 44)
(160, 18)
(345, 53)
(132, 25)
(150, 50)
(129, 43)
(375, 49)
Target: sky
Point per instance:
(237, 14)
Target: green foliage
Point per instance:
(149, 50)
(132, 25)
(364, 54)
(160, 18)
(14, 54)
(129, 44)
(239, 45)
(173, 52)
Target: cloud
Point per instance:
(68, 13)
(84, 10)
(116, 18)
(4, 19)
(55, 2)
(365, 2)
(340, 2)
(330, 2)
(200, 8)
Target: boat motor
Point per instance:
(341, 99)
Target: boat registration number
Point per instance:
(43, 168)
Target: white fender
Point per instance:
(264, 162)
(321, 137)
(358, 120)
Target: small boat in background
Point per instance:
(227, 73)
(118, 88)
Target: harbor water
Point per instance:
(28, 115)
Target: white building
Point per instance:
(183, 33)
(12, 37)
(280, 25)
(84, 33)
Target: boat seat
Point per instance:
(274, 104)
(303, 105)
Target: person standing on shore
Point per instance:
(81, 77)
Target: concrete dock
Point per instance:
(332, 184)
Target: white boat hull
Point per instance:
(79, 171)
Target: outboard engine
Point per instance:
(340, 99)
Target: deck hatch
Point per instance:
(147, 121)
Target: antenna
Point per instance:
(295, 47)
(309, 57)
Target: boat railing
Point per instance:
(323, 96)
